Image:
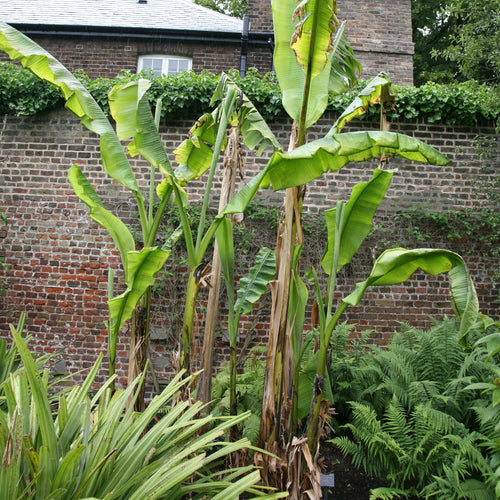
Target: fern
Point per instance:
(420, 419)
(249, 387)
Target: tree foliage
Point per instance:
(456, 40)
(235, 8)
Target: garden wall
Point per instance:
(59, 258)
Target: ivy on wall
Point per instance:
(187, 95)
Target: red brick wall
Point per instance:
(106, 57)
(59, 257)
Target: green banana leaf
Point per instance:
(120, 233)
(224, 236)
(331, 153)
(140, 271)
(131, 111)
(78, 100)
(369, 96)
(397, 265)
(345, 67)
(358, 215)
(254, 129)
(307, 57)
(194, 155)
(291, 64)
(254, 285)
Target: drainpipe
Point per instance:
(244, 45)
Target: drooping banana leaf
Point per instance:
(357, 222)
(141, 269)
(331, 153)
(78, 100)
(397, 265)
(345, 68)
(254, 285)
(369, 96)
(120, 233)
(194, 155)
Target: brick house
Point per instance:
(172, 35)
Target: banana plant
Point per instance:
(310, 54)
(348, 225)
(130, 109)
(199, 153)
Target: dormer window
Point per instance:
(164, 65)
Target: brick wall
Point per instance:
(105, 57)
(59, 258)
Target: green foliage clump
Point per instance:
(235, 8)
(188, 94)
(249, 387)
(96, 446)
(419, 418)
(24, 94)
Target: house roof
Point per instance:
(117, 15)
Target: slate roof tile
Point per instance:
(155, 14)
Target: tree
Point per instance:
(235, 8)
(456, 40)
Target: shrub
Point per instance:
(187, 95)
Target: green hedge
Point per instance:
(188, 95)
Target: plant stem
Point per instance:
(187, 326)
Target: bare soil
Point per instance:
(351, 483)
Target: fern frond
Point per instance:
(389, 493)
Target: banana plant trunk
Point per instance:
(139, 345)
(186, 337)
(276, 424)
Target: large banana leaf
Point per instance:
(397, 265)
(304, 51)
(78, 100)
(120, 233)
(131, 111)
(357, 222)
(331, 153)
(291, 76)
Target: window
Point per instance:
(164, 65)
